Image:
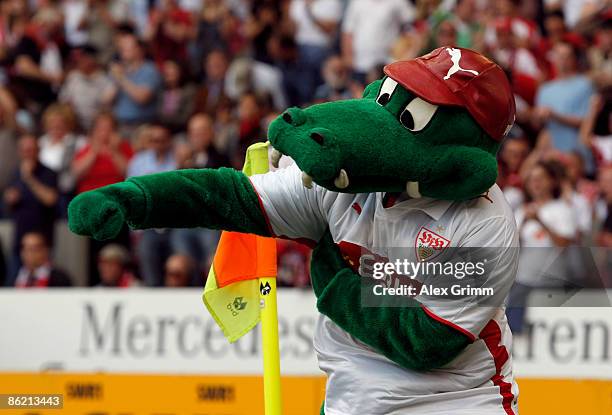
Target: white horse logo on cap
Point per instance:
(455, 55)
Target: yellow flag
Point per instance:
(232, 291)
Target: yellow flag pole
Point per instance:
(257, 162)
(270, 347)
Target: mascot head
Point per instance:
(432, 127)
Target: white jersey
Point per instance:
(362, 381)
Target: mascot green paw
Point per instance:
(102, 213)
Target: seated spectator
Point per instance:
(152, 243)
(37, 269)
(579, 192)
(157, 157)
(104, 159)
(170, 28)
(136, 83)
(293, 264)
(600, 54)
(336, 77)
(513, 153)
(113, 267)
(596, 129)
(30, 198)
(512, 55)
(226, 128)
(176, 103)
(58, 145)
(179, 271)
(245, 75)
(562, 104)
(8, 137)
(83, 86)
(604, 211)
(200, 151)
(212, 90)
(250, 125)
(545, 223)
(316, 23)
(36, 60)
(102, 18)
(367, 37)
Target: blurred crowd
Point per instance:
(94, 91)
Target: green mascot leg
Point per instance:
(322, 412)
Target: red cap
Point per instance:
(460, 77)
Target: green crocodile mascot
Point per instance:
(409, 169)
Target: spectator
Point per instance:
(513, 153)
(600, 54)
(246, 76)
(177, 96)
(595, 131)
(83, 85)
(562, 104)
(179, 271)
(37, 269)
(37, 61)
(74, 13)
(605, 183)
(579, 192)
(212, 92)
(226, 129)
(200, 151)
(31, 197)
(574, 10)
(250, 131)
(209, 32)
(336, 81)
(171, 27)
(113, 267)
(157, 157)
(546, 223)
(152, 244)
(104, 159)
(518, 60)
(469, 29)
(100, 22)
(293, 260)
(369, 29)
(8, 137)
(136, 85)
(59, 142)
(316, 23)
(260, 27)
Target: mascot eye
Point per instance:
(386, 90)
(417, 114)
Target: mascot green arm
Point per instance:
(215, 199)
(406, 335)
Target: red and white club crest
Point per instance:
(429, 244)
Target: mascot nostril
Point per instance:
(394, 178)
(294, 116)
(318, 138)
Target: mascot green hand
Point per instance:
(404, 166)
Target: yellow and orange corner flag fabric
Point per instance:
(232, 291)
